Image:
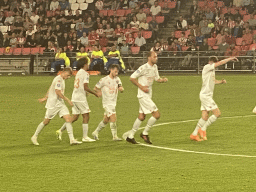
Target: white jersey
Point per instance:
(79, 94)
(208, 77)
(109, 89)
(53, 100)
(146, 75)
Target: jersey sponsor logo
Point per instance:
(58, 85)
(138, 71)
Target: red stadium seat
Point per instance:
(146, 10)
(224, 10)
(147, 34)
(238, 48)
(201, 4)
(177, 34)
(48, 13)
(120, 12)
(159, 19)
(233, 10)
(210, 4)
(187, 33)
(41, 50)
(254, 16)
(104, 12)
(110, 13)
(239, 41)
(220, 4)
(88, 49)
(184, 48)
(135, 50)
(149, 19)
(34, 50)
(211, 41)
(2, 51)
(161, 4)
(246, 18)
(16, 51)
(242, 12)
(104, 49)
(26, 51)
(215, 47)
(172, 4)
(128, 11)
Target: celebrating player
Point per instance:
(206, 97)
(146, 75)
(108, 87)
(79, 99)
(55, 105)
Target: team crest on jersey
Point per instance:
(58, 85)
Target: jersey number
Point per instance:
(76, 84)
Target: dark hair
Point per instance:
(113, 66)
(214, 59)
(81, 63)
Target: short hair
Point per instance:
(113, 66)
(214, 59)
(68, 69)
(150, 53)
(81, 63)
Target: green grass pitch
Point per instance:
(105, 165)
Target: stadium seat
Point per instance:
(26, 51)
(177, 34)
(16, 51)
(215, 47)
(161, 4)
(104, 49)
(120, 12)
(254, 16)
(128, 11)
(201, 4)
(233, 10)
(210, 4)
(146, 10)
(149, 19)
(83, 6)
(147, 34)
(4, 29)
(254, 32)
(2, 51)
(88, 49)
(110, 12)
(74, 6)
(80, 1)
(49, 13)
(34, 50)
(187, 33)
(159, 19)
(89, 1)
(220, 4)
(135, 50)
(239, 41)
(238, 48)
(73, 25)
(211, 41)
(242, 12)
(172, 4)
(72, 1)
(8, 51)
(184, 48)
(104, 12)
(246, 18)
(41, 50)
(224, 10)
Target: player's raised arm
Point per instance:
(60, 95)
(224, 61)
(86, 88)
(162, 80)
(223, 81)
(135, 82)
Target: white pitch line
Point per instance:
(197, 152)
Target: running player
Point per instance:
(108, 87)
(55, 105)
(206, 97)
(146, 75)
(79, 100)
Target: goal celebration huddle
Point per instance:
(108, 87)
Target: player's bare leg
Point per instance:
(101, 126)
(86, 117)
(216, 114)
(38, 130)
(69, 127)
(152, 120)
(63, 128)
(194, 136)
(129, 135)
(113, 127)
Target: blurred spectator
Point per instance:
(204, 47)
(199, 38)
(34, 18)
(112, 40)
(140, 42)
(84, 39)
(114, 57)
(89, 24)
(100, 30)
(69, 47)
(171, 38)
(144, 25)
(202, 21)
(164, 44)
(193, 7)
(124, 48)
(2, 18)
(5, 6)
(166, 13)
(182, 40)
(188, 57)
(103, 40)
(223, 46)
(181, 24)
(194, 30)
(120, 39)
(191, 40)
(153, 26)
(54, 5)
(9, 19)
(74, 41)
(209, 14)
(28, 9)
(132, 4)
(134, 22)
(109, 31)
(13, 40)
(99, 4)
(6, 41)
(229, 38)
(247, 37)
(130, 40)
(237, 31)
(157, 48)
(193, 21)
(219, 37)
(31, 41)
(238, 3)
(64, 4)
(61, 60)
(18, 25)
(155, 9)
(252, 22)
(141, 16)
(243, 49)
(205, 30)
(79, 55)
(118, 30)
(251, 8)
(93, 36)
(232, 51)
(21, 40)
(98, 59)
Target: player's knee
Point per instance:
(218, 114)
(157, 115)
(205, 117)
(46, 121)
(142, 117)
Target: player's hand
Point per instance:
(42, 100)
(234, 59)
(145, 89)
(70, 103)
(224, 81)
(121, 89)
(98, 94)
(164, 80)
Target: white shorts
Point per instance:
(147, 106)
(80, 108)
(208, 104)
(51, 113)
(109, 110)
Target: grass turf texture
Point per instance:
(119, 166)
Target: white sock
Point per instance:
(70, 131)
(113, 129)
(211, 120)
(39, 129)
(63, 128)
(85, 130)
(135, 127)
(100, 126)
(150, 123)
(199, 125)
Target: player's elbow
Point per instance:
(132, 79)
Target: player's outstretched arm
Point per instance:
(143, 88)
(224, 61)
(58, 92)
(97, 91)
(223, 81)
(86, 88)
(162, 80)
(45, 97)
